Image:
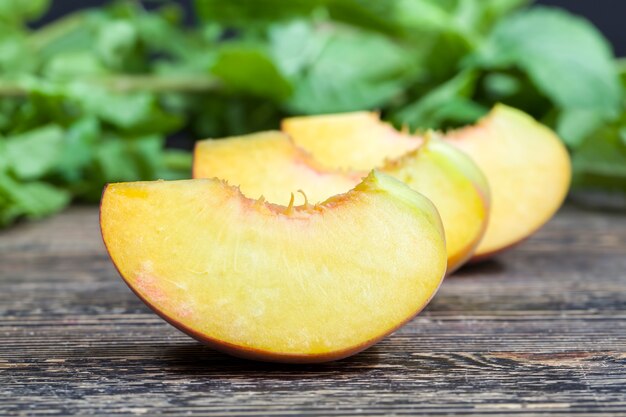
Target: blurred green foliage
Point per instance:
(90, 98)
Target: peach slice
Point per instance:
(357, 141)
(456, 186)
(268, 164)
(525, 163)
(528, 170)
(267, 282)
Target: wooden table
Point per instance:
(540, 330)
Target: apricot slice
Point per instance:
(268, 164)
(528, 170)
(267, 282)
(357, 141)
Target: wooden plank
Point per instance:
(541, 330)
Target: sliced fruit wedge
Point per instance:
(528, 170)
(267, 282)
(456, 186)
(526, 165)
(356, 141)
(270, 165)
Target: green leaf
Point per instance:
(366, 14)
(621, 68)
(440, 33)
(176, 165)
(130, 159)
(249, 69)
(565, 56)
(622, 135)
(45, 103)
(35, 153)
(466, 18)
(18, 10)
(600, 161)
(344, 70)
(67, 66)
(575, 125)
(242, 12)
(502, 7)
(137, 113)
(31, 199)
(15, 57)
(427, 15)
(500, 86)
(116, 42)
(448, 103)
(294, 46)
(223, 115)
(72, 33)
(8, 108)
(77, 153)
(370, 14)
(602, 153)
(161, 33)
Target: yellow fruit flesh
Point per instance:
(528, 170)
(357, 141)
(455, 186)
(268, 164)
(291, 283)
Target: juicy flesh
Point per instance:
(268, 164)
(357, 141)
(305, 281)
(457, 188)
(528, 170)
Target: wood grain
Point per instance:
(541, 330)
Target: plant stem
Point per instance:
(158, 83)
(133, 83)
(8, 89)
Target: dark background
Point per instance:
(608, 15)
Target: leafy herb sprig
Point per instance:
(91, 98)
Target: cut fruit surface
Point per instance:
(458, 189)
(357, 141)
(299, 284)
(528, 170)
(268, 164)
(526, 165)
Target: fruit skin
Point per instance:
(395, 188)
(528, 170)
(439, 171)
(270, 165)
